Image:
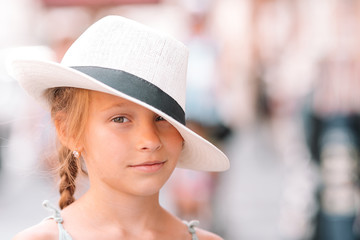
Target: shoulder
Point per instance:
(46, 230)
(206, 235)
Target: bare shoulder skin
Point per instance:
(205, 235)
(46, 230)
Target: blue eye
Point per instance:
(159, 118)
(120, 120)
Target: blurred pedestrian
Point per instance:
(194, 189)
(333, 134)
(117, 101)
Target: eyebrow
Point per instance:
(115, 105)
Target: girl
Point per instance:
(117, 102)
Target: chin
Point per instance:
(148, 187)
(139, 183)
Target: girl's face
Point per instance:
(127, 147)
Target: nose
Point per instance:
(148, 139)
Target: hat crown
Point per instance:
(119, 43)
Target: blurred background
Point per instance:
(273, 83)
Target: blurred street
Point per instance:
(21, 201)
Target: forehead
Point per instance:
(100, 101)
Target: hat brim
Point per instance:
(37, 76)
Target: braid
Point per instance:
(69, 106)
(68, 171)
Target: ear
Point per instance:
(62, 132)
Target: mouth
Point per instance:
(148, 167)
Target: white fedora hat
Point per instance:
(127, 59)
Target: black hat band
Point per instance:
(136, 87)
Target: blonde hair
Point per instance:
(69, 111)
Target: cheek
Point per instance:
(174, 144)
(103, 145)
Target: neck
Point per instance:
(126, 211)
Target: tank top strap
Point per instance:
(63, 234)
(191, 228)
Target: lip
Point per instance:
(148, 167)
